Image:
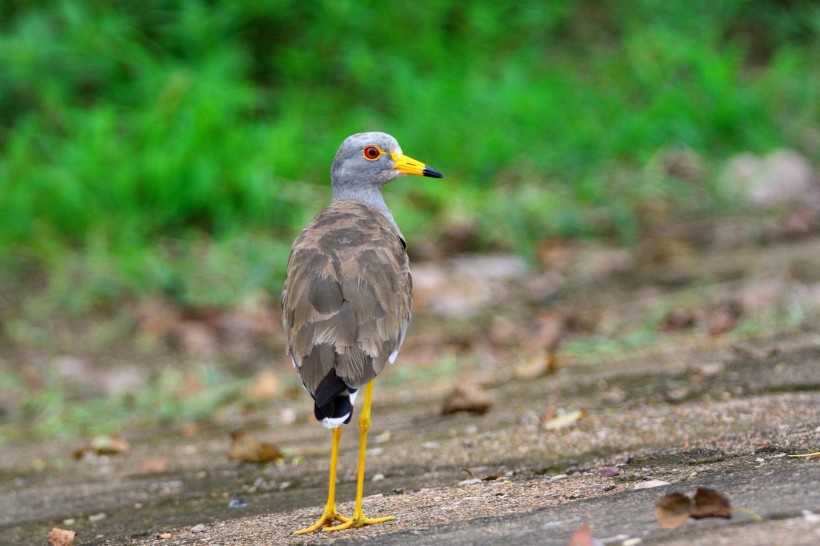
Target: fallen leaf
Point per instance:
(61, 537)
(673, 510)
(103, 445)
(678, 319)
(469, 398)
(583, 537)
(708, 503)
(564, 420)
(247, 448)
(550, 329)
(543, 363)
(153, 466)
(189, 429)
(725, 318)
(265, 387)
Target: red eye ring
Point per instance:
(371, 153)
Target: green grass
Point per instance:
(177, 147)
(55, 408)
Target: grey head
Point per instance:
(367, 161)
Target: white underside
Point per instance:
(395, 354)
(330, 422)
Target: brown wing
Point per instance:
(346, 300)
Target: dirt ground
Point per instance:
(715, 382)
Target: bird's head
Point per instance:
(367, 161)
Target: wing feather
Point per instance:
(347, 297)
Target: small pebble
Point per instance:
(198, 528)
(471, 481)
(378, 477)
(609, 471)
(649, 484)
(558, 477)
(632, 542)
(96, 517)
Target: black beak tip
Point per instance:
(431, 172)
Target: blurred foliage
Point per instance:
(179, 145)
(57, 408)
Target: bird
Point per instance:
(347, 298)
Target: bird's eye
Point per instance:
(372, 153)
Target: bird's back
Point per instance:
(346, 301)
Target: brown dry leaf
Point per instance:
(550, 328)
(154, 466)
(583, 537)
(673, 510)
(722, 322)
(247, 448)
(555, 254)
(469, 398)
(725, 318)
(189, 429)
(564, 420)
(61, 537)
(708, 503)
(104, 445)
(265, 387)
(110, 445)
(543, 363)
(679, 319)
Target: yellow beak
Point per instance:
(407, 165)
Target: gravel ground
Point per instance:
(685, 408)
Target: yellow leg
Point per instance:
(329, 515)
(359, 519)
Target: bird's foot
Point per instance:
(359, 520)
(326, 521)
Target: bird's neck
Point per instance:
(368, 195)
